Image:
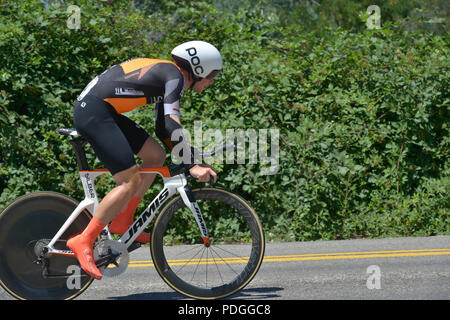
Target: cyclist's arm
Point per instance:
(165, 127)
(201, 172)
(169, 109)
(168, 129)
(168, 126)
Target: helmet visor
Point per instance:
(212, 74)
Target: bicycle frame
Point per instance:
(172, 185)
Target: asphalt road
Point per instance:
(394, 268)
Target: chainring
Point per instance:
(115, 253)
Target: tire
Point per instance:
(236, 248)
(26, 220)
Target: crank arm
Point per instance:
(106, 260)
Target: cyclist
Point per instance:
(98, 117)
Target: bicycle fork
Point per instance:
(189, 200)
(191, 203)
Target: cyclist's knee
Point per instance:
(156, 159)
(152, 154)
(160, 157)
(130, 179)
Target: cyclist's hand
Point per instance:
(203, 173)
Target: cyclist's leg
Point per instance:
(82, 245)
(128, 182)
(99, 124)
(94, 119)
(153, 156)
(145, 147)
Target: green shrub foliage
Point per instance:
(362, 114)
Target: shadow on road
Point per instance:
(257, 293)
(246, 294)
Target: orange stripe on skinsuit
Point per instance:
(133, 65)
(126, 104)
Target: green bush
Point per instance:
(363, 116)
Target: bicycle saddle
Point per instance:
(68, 132)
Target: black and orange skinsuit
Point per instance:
(123, 87)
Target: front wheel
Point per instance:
(224, 266)
(26, 226)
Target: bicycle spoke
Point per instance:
(225, 262)
(198, 264)
(207, 262)
(193, 247)
(184, 253)
(233, 254)
(217, 267)
(189, 261)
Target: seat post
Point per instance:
(78, 145)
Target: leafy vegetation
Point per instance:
(362, 114)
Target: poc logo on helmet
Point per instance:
(192, 52)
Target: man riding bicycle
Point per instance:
(98, 117)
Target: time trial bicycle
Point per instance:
(206, 242)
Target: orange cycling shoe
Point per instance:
(82, 246)
(124, 219)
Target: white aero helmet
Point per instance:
(200, 58)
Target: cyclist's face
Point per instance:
(201, 85)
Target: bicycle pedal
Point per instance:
(111, 257)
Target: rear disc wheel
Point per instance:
(26, 226)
